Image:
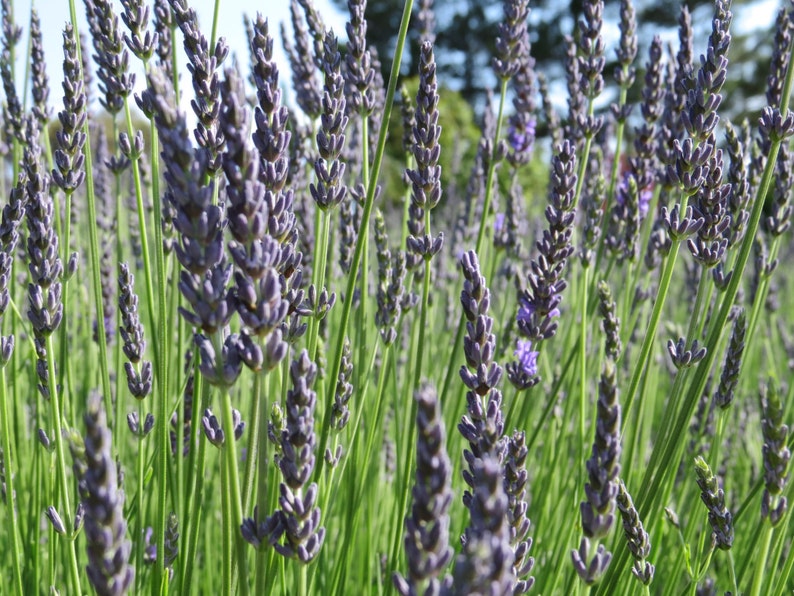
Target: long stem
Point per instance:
(253, 442)
(8, 469)
(236, 505)
(760, 563)
(318, 274)
(197, 484)
(139, 498)
(58, 439)
(653, 324)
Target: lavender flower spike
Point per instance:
(776, 456)
(601, 489)
(512, 41)
(299, 517)
(541, 299)
(713, 497)
(330, 190)
(105, 527)
(486, 564)
(426, 177)
(427, 528)
(69, 159)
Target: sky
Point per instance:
(55, 13)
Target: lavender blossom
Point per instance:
(272, 139)
(636, 187)
(68, 156)
(138, 371)
(105, 527)
(543, 295)
(359, 74)
(739, 185)
(729, 378)
(340, 414)
(512, 42)
(299, 517)
(552, 118)
(485, 565)
(111, 57)
(603, 467)
(391, 288)
(482, 426)
(627, 50)
(426, 21)
(203, 65)
(700, 116)
(781, 56)
(140, 41)
(198, 220)
(162, 27)
(515, 473)
(577, 108)
(213, 430)
(776, 455)
(13, 114)
(507, 225)
(135, 426)
(610, 323)
(713, 497)
(108, 234)
(330, 190)
(591, 62)
(636, 536)
(675, 100)
(426, 177)
(593, 198)
(45, 307)
(302, 64)
(40, 87)
(258, 291)
(522, 123)
(427, 527)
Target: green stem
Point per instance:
(197, 484)
(318, 275)
(253, 441)
(8, 469)
(650, 334)
(760, 563)
(214, 35)
(236, 505)
(583, 370)
(139, 526)
(58, 439)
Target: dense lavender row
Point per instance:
(250, 326)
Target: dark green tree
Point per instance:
(465, 31)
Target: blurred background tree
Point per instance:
(466, 30)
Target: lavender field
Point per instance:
(317, 328)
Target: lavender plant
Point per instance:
(274, 386)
